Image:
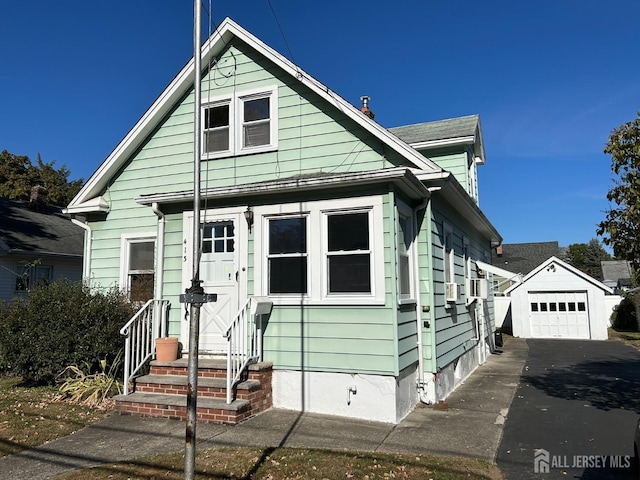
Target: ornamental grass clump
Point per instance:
(90, 389)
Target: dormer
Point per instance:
(455, 145)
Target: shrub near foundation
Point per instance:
(60, 324)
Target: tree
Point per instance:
(18, 175)
(621, 227)
(586, 257)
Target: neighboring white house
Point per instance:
(557, 300)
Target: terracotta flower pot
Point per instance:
(167, 349)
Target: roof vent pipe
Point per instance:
(365, 107)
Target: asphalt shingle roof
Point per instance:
(438, 130)
(524, 257)
(24, 229)
(615, 269)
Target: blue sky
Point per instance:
(549, 79)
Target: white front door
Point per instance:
(223, 271)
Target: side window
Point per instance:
(405, 252)
(137, 268)
(348, 253)
(448, 255)
(287, 256)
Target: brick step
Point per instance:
(209, 410)
(162, 393)
(207, 386)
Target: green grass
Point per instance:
(630, 338)
(31, 416)
(291, 463)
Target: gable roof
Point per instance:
(615, 270)
(560, 264)
(88, 198)
(524, 257)
(24, 230)
(452, 131)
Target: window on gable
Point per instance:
(240, 124)
(255, 122)
(287, 255)
(216, 128)
(348, 253)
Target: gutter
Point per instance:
(86, 262)
(159, 281)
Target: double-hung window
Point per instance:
(404, 245)
(348, 253)
(240, 124)
(137, 266)
(287, 255)
(322, 252)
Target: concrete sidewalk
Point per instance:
(471, 427)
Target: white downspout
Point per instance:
(424, 396)
(159, 252)
(86, 261)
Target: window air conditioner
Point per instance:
(451, 292)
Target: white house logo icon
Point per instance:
(541, 461)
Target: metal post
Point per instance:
(194, 321)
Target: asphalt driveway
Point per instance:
(578, 401)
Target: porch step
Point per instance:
(209, 410)
(162, 393)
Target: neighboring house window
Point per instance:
(31, 275)
(287, 255)
(137, 267)
(241, 124)
(405, 249)
(324, 252)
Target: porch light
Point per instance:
(248, 216)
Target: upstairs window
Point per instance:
(242, 124)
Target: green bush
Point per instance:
(624, 316)
(59, 324)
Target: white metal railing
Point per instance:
(244, 336)
(149, 323)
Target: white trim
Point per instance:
(469, 140)
(316, 250)
(235, 103)
(126, 239)
(405, 211)
(183, 82)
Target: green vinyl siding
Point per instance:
(454, 326)
(313, 137)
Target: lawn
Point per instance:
(630, 338)
(32, 416)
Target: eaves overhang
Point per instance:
(401, 177)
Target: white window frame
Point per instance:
(269, 256)
(403, 210)
(236, 122)
(317, 271)
(126, 240)
(448, 250)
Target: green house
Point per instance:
(363, 240)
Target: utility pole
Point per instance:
(196, 290)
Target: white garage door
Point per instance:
(559, 315)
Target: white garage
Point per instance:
(558, 301)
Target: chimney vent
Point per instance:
(499, 250)
(38, 198)
(365, 107)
